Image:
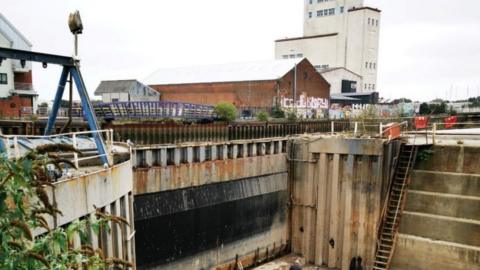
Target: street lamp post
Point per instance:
(294, 83)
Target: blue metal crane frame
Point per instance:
(70, 66)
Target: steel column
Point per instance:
(56, 103)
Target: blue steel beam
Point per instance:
(89, 113)
(7, 53)
(56, 103)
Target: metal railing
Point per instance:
(14, 144)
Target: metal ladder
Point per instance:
(393, 208)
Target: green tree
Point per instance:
(425, 109)
(262, 116)
(24, 207)
(226, 111)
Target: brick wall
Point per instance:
(249, 94)
(12, 106)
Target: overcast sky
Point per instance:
(428, 48)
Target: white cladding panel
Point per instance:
(319, 51)
(335, 78)
(6, 68)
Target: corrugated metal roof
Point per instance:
(234, 72)
(117, 86)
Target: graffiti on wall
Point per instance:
(306, 107)
(338, 111)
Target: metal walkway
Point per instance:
(153, 109)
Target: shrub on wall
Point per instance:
(225, 111)
(277, 112)
(262, 116)
(24, 210)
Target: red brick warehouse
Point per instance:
(249, 86)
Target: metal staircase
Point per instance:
(393, 208)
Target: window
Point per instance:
(299, 55)
(366, 64)
(311, 2)
(319, 13)
(376, 22)
(331, 11)
(370, 65)
(373, 86)
(292, 56)
(374, 65)
(309, 14)
(3, 78)
(325, 12)
(114, 100)
(365, 86)
(285, 56)
(368, 21)
(342, 9)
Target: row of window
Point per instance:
(369, 87)
(370, 65)
(321, 66)
(325, 12)
(292, 56)
(372, 22)
(3, 78)
(318, 1)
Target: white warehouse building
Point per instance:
(338, 34)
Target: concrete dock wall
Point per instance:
(110, 190)
(202, 205)
(336, 191)
(440, 227)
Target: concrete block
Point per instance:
(177, 156)
(262, 148)
(189, 155)
(224, 152)
(234, 151)
(213, 152)
(201, 154)
(163, 157)
(252, 149)
(435, 227)
(416, 253)
(444, 204)
(453, 183)
(270, 148)
(149, 157)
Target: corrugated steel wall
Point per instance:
(337, 190)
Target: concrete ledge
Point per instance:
(451, 205)
(417, 253)
(445, 182)
(436, 227)
(452, 158)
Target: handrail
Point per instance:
(387, 197)
(108, 134)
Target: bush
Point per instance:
(24, 210)
(226, 111)
(292, 116)
(262, 116)
(277, 112)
